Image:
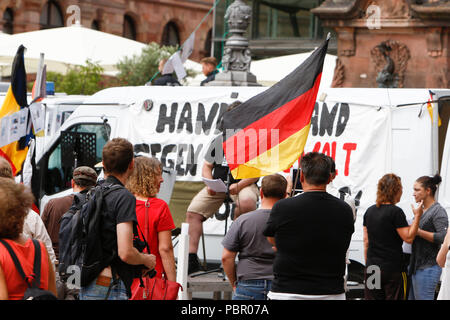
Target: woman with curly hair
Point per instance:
(15, 201)
(153, 214)
(385, 229)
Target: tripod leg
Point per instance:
(204, 252)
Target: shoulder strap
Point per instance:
(36, 265)
(147, 206)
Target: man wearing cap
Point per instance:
(83, 179)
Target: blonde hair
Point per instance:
(144, 179)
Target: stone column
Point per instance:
(236, 58)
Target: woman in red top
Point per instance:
(145, 183)
(15, 201)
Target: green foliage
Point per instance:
(140, 69)
(79, 80)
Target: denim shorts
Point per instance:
(252, 289)
(97, 292)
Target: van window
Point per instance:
(59, 174)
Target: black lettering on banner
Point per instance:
(165, 151)
(202, 123)
(192, 160)
(155, 148)
(327, 119)
(315, 120)
(181, 148)
(164, 119)
(185, 118)
(344, 115)
(141, 147)
(183, 151)
(223, 108)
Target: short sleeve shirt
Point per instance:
(159, 219)
(385, 245)
(120, 207)
(256, 255)
(312, 233)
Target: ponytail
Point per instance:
(430, 182)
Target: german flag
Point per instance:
(267, 133)
(15, 99)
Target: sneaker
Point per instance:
(194, 264)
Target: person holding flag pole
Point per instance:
(312, 231)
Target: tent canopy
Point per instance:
(69, 46)
(270, 71)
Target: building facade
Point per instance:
(167, 22)
(395, 43)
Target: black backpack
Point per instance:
(33, 292)
(69, 244)
(80, 235)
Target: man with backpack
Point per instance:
(109, 259)
(84, 178)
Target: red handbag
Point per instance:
(155, 288)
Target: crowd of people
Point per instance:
(287, 247)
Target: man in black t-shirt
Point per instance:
(119, 215)
(311, 233)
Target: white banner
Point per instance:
(13, 127)
(178, 132)
(356, 137)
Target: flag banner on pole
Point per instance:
(267, 133)
(174, 63)
(188, 47)
(15, 99)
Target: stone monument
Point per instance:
(236, 57)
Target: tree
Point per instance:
(79, 79)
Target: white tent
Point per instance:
(68, 46)
(270, 71)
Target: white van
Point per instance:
(369, 132)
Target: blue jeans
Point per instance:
(252, 290)
(424, 282)
(97, 292)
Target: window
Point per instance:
(8, 18)
(284, 19)
(95, 25)
(208, 43)
(129, 28)
(59, 173)
(170, 35)
(51, 16)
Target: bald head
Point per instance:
(5, 169)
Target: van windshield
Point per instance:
(80, 145)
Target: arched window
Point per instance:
(95, 25)
(8, 18)
(51, 16)
(208, 43)
(129, 28)
(170, 35)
